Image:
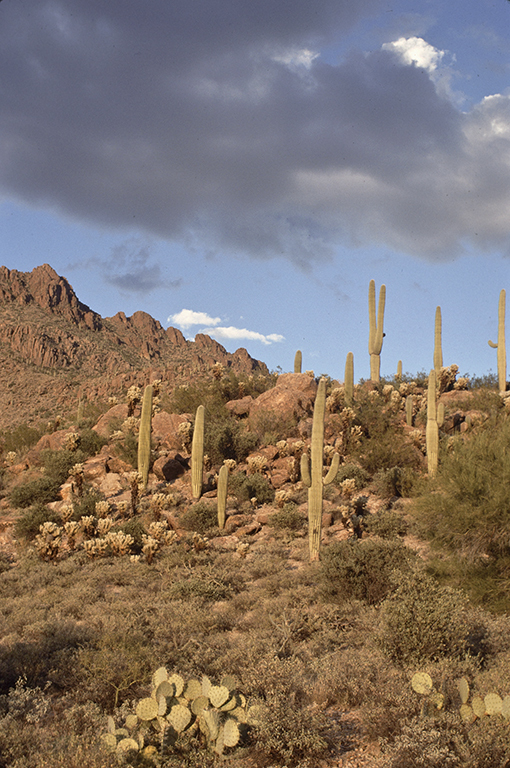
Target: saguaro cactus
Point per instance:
(298, 361)
(144, 436)
(349, 378)
(313, 478)
(438, 350)
(375, 338)
(222, 496)
(197, 453)
(500, 346)
(432, 432)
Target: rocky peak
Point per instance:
(51, 292)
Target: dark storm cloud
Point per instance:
(209, 122)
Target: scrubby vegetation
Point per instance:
(112, 595)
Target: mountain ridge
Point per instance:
(51, 342)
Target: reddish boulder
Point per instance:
(292, 397)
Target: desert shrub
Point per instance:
(21, 438)
(27, 525)
(213, 393)
(272, 426)
(363, 570)
(387, 524)
(200, 517)
(135, 528)
(227, 438)
(352, 472)
(201, 587)
(423, 620)
(91, 442)
(246, 487)
(58, 463)
(35, 492)
(287, 518)
(127, 449)
(395, 481)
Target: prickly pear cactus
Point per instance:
(219, 712)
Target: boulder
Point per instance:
(109, 421)
(292, 398)
(170, 467)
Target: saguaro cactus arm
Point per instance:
(376, 333)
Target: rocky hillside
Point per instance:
(52, 347)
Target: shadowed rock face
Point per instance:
(52, 345)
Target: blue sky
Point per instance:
(258, 164)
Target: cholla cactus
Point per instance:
(10, 457)
(282, 448)
(373, 395)
(230, 464)
(88, 525)
(135, 484)
(395, 399)
(76, 475)
(184, 430)
(446, 379)
(462, 383)
(104, 525)
(123, 508)
(112, 401)
(294, 469)
(336, 399)
(102, 508)
(242, 549)
(95, 547)
(150, 547)
(256, 464)
(49, 541)
(71, 530)
(217, 371)
(281, 498)
(66, 512)
(131, 424)
(133, 398)
(71, 441)
(161, 532)
(355, 436)
(119, 543)
(348, 487)
(387, 390)
(207, 462)
(297, 448)
(199, 542)
(117, 435)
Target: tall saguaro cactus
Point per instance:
(349, 378)
(197, 453)
(500, 346)
(298, 360)
(144, 436)
(438, 350)
(222, 495)
(313, 476)
(375, 338)
(432, 432)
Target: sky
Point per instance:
(245, 169)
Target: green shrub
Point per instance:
(21, 438)
(35, 493)
(200, 517)
(353, 472)
(423, 620)
(246, 487)
(396, 481)
(135, 528)
(27, 526)
(91, 442)
(86, 504)
(227, 438)
(287, 518)
(387, 524)
(271, 426)
(363, 570)
(58, 463)
(127, 449)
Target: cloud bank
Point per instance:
(189, 317)
(219, 124)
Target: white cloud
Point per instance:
(242, 333)
(415, 50)
(187, 317)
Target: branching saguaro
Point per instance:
(376, 334)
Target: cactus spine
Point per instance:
(432, 432)
(500, 346)
(375, 338)
(144, 436)
(438, 351)
(349, 378)
(222, 496)
(312, 475)
(298, 360)
(197, 453)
